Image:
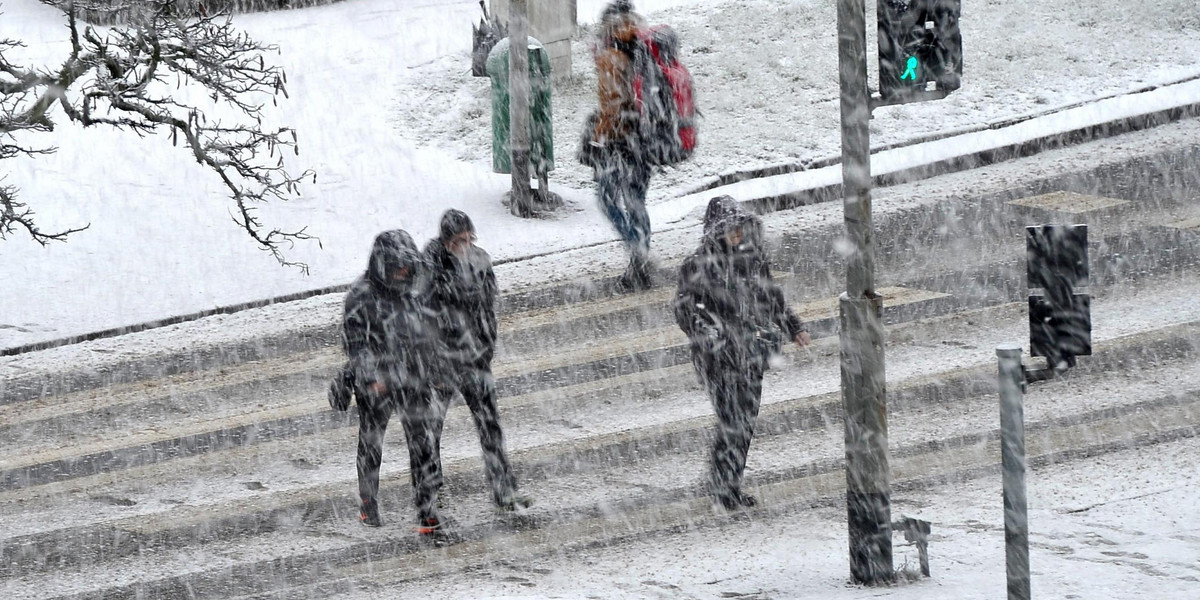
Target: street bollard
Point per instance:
(1012, 458)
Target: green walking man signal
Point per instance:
(920, 49)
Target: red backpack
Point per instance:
(663, 90)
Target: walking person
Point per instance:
(733, 312)
(613, 146)
(391, 338)
(463, 296)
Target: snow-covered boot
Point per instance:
(513, 503)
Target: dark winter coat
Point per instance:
(389, 332)
(464, 300)
(728, 304)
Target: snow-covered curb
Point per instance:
(1104, 118)
(1073, 126)
(735, 176)
(249, 329)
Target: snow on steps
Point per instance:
(1089, 415)
(591, 457)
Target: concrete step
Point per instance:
(932, 443)
(228, 516)
(281, 402)
(88, 434)
(960, 227)
(55, 439)
(568, 408)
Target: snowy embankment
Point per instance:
(367, 102)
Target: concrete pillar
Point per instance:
(552, 22)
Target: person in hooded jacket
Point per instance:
(391, 338)
(732, 311)
(614, 147)
(463, 296)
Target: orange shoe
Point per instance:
(428, 526)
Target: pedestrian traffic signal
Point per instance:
(920, 48)
(1060, 322)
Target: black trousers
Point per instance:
(735, 389)
(478, 388)
(421, 418)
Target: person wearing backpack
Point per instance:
(612, 143)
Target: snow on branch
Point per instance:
(173, 69)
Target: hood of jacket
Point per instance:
(454, 222)
(619, 24)
(394, 250)
(722, 216)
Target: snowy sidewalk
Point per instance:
(1110, 530)
(161, 243)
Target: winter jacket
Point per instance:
(389, 332)
(464, 300)
(617, 116)
(728, 304)
(618, 113)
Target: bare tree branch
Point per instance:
(14, 214)
(132, 77)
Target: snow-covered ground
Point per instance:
(227, 330)
(1117, 536)
(397, 131)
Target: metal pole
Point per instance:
(864, 394)
(856, 147)
(518, 107)
(1012, 457)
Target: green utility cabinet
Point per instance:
(541, 137)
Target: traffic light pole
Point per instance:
(518, 107)
(868, 487)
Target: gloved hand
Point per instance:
(341, 389)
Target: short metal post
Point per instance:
(923, 555)
(1012, 455)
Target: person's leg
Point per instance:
(441, 405)
(748, 398)
(612, 189)
(372, 424)
(479, 391)
(639, 184)
(735, 390)
(418, 415)
(723, 461)
(622, 185)
(638, 240)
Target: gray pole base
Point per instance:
(868, 475)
